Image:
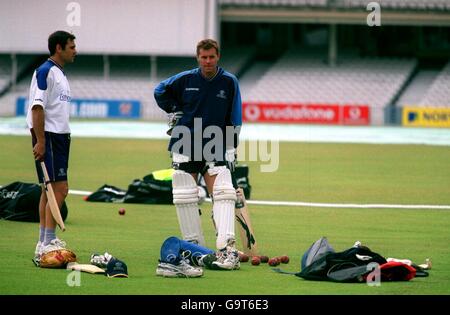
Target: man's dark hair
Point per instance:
(58, 37)
(207, 44)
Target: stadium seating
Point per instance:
(398, 4)
(23, 62)
(295, 77)
(438, 95)
(5, 71)
(298, 76)
(129, 77)
(301, 78)
(311, 3)
(437, 5)
(417, 87)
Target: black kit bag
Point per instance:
(146, 191)
(20, 202)
(107, 193)
(320, 262)
(149, 191)
(155, 188)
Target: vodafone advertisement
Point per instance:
(306, 113)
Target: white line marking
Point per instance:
(316, 204)
(80, 192)
(344, 205)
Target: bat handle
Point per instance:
(240, 201)
(233, 180)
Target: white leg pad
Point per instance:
(223, 209)
(185, 198)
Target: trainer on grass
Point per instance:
(205, 115)
(48, 120)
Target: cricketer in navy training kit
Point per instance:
(48, 120)
(205, 115)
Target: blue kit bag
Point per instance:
(173, 250)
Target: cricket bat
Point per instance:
(51, 199)
(85, 268)
(245, 228)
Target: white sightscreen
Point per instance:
(150, 27)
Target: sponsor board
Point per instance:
(426, 117)
(355, 115)
(94, 108)
(328, 114)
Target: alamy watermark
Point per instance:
(374, 17)
(73, 279)
(209, 144)
(265, 151)
(374, 277)
(74, 16)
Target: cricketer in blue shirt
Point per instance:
(206, 103)
(210, 100)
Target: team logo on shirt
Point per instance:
(222, 94)
(62, 172)
(64, 97)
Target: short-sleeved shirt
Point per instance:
(50, 89)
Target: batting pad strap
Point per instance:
(224, 193)
(184, 188)
(214, 170)
(185, 195)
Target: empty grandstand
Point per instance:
(438, 95)
(346, 4)
(297, 77)
(300, 52)
(12, 68)
(5, 75)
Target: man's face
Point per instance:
(207, 60)
(69, 53)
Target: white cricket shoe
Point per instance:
(54, 244)
(37, 254)
(182, 270)
(227, 258)
(37, 251)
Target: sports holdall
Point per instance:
(20, 202)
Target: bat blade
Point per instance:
(245, 227)
(52, 199)
(85, 268)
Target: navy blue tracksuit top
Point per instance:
(216, 101)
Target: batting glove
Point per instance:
(230, 158)
(101, 260)
(173, 119)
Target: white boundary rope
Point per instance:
(317, 204)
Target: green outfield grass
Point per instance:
(334, 173)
